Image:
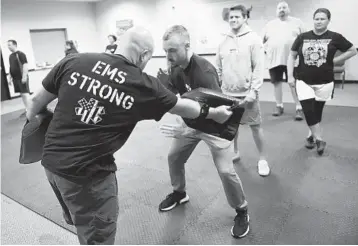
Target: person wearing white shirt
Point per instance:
(278, 37)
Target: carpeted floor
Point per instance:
(306, 200)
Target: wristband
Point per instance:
(204, 111)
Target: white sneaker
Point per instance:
(263, 168)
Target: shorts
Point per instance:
(276, 74)
(252, 114)
(21, 87)
(318, 92)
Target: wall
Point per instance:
(203, 18)
(18, 16)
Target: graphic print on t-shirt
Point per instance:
(89, 111)
(315, 51)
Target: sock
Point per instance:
(298, 107)
(279, 105)
(244, 205)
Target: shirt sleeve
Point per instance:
(52, 80)
(341, 43)
(297, 43)
(22, 58)
(257, 64)
(167, 81)
(157, 100)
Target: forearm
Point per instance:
(34, 107)
(25, 70)
(290, 66)
(190, 109)
(38, 102)
(345, 56)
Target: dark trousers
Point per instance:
(91, 207)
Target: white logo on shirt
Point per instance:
(315, 51)
(90, 111)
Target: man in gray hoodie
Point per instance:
(240, 60)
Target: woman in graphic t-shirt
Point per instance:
(315, 77)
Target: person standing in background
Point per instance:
(240, 60)
(314, 80)
(19, 71)
(278, 37)
(111, 48)
(70, 48)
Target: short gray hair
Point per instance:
(176, 30)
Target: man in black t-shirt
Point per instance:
(19, 71)
(315, 73)
(101, 98)
(189, 72)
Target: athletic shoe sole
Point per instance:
(309, 146)
(182, 201)
(264, 174)
(246, 232)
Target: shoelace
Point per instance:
(172, 195)
(241, 217)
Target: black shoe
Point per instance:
(241, 224)
(278, 111)
(321, 145)
(172, 200)
(310, 143)
(299, 115)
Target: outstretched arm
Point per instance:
(187, 108)
(38, 102)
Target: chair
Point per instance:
(341, 71)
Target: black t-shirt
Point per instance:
(101, 97)
(200, 73)
(316, 53)
(112, 48)
(15, 69)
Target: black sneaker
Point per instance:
(310, 143)
(321, 145)
(278, 111)
(241, 224)
(299, 115)
(172, 200)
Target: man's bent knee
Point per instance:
(256, 128)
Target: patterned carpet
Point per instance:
(306, 200)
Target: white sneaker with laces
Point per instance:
(263, 168)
